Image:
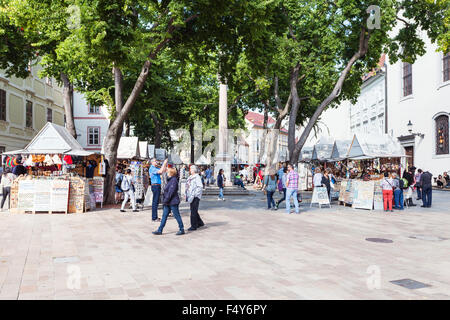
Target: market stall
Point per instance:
(367, 158)
(59, 175)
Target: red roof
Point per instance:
(258, 120)
(374, 72)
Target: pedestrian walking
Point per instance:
(269, 188)
(282, 187)
(208, 175)
(128, 189)
(171, 202)
(220, 184)
(6, 182)
(427, 189)
(291, 189)
(194, 190)
(155, 172)
(387, 187)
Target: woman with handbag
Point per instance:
(128, 190)
(269, 188)
(171, 201)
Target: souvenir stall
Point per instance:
(367, 158)
(60, 175)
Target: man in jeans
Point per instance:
(426, 189)
(291, 189)
(155, 177)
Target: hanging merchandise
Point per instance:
(48, 160)
(56, 159)
(102, 167)
(67, 159)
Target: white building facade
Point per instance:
(393, 97)
(420, 94)
(91, 123)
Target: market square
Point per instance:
(224, 150)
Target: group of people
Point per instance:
(399, 190)
(443, 180)
(170, 195)
(286, 180)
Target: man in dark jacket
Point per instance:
(171, 201)
(426, 189)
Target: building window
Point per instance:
(446, 66)
(29, 114)
(407, 79)
(2, 105)
(49, 115)
(2, 149)
(94, 136)
(442, 134)
(94, 109)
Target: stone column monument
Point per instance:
(223, 159)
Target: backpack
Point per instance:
(405, 183)
(126, 185)
(119, 182)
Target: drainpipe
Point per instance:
(385, 99)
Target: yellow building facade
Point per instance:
(25, 107)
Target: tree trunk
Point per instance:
(112, 139)
(68, 108)
(127, 127)
(293, 113)
(296, 148)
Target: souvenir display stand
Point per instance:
(56, 165)
(357, 165)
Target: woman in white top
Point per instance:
(317, 179)
(7, 179)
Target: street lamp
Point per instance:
(410, 125)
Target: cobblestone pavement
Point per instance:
(244, 252)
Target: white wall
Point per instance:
(430, 96)
(83, 120)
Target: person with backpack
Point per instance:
(171, 201)
(398, 191)
(269, 188)
(118, 180)
(387, 188)
(128, 189)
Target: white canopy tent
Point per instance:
(340, 150)
(322, 149)
(53, 139)
(374, 146)
(305, 154)
(143, 149)
(128, 148)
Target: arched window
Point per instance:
(442, 134)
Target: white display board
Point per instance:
(43, 195)
(320, 196)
